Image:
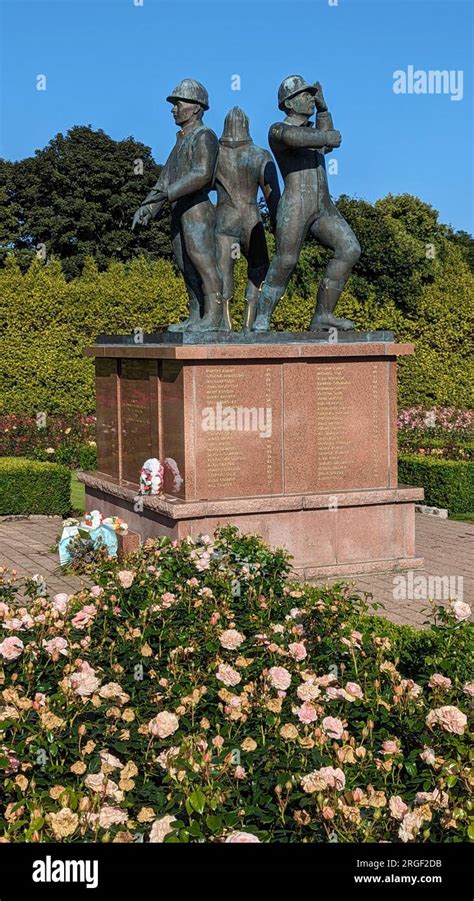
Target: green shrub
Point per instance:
(447, 483)
(27, 486)
(88, 457)
(193, 693)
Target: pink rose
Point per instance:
(239, 772)
(354, 641)
(279, 677)
(307, 713)
(328, 813)
(96, 591)
(161, 828)
(164, 724)
(336, 694)
(231, 639)
(461, 611)
(307, 691)
(11, 648)
(84, 681)
(60, 602)
(242, 838)
(353, 689)
(449, 718)
(112, 816)
(397, 807)
(326, 777)
(439, 681)
(39, 700)
(126, 577)
(334, 777)
(333, 727)
(84, 617)
(297, 650)
(228, 675)
(56, 646)
(391, 746)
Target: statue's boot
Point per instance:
(250, 314)
(328, 294)
(212, 319)
(266, 304)
(194, 317)
(226, 322)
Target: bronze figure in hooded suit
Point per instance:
(185, 181)
(242, 169)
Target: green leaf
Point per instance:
(198, 801)
(214, 823)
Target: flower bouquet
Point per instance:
(82, 539)
(151, 477)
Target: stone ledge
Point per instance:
(222, 352)
(340, 570)
(176, 509)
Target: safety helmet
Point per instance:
(236, 127)
(290, 87)
(190, 90)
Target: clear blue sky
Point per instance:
(110, 64)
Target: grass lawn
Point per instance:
(77, 495)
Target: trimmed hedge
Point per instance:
(27, 486)
(447, 483)
(45, 322)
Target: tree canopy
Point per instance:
(77, 197)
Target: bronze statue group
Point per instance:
(207, 239)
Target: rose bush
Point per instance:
(443, 432)
(70, 440)
(195, 694)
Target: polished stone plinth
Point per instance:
(294, 440)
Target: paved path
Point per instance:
(25, 545)
(447, 547)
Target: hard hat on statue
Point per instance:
(190, 90)
(291, 86)
(236, 127)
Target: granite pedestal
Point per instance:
(295, 440)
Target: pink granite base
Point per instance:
(294, 441)
(369, 531)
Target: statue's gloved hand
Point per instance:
(333, 138)
(141, 217)
(319, 100)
